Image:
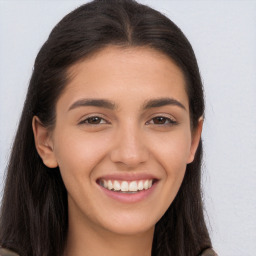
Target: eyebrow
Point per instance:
(156, 103)
(94, 103)
(103, 103)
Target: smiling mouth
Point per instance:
(123, 186)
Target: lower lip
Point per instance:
(129, 197)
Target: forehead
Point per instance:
(135, 72)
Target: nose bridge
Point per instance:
(129, 147)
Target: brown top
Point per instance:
(5, 252)
(209, 252)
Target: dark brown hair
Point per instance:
(34, 217)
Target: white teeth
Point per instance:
(117, 186)
(146, 184)
(105, 184)
(140, 185)
(110, 185)
(133, 186)
(126, 186)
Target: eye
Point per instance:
(162, 120)
(94, 120)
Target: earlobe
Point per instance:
(196, 136)
(43, 143)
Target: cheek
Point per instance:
(173, 149)
(77, 153)
(172, 154)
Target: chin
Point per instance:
(130, 226)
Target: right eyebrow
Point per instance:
(102, 103)
(155, 103)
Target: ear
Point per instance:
(196, 135)
(43, 143)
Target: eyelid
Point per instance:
(85, 118)
(172, 120)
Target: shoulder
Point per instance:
(209, 252)
(6, 252)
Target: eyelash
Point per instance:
(86, 121)
(167, 121)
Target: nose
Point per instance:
(129, 148)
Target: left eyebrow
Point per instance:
(93, 102)
(156, 103)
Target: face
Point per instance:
(122, 139)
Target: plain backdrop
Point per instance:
(223, 35)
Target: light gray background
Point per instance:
(223, 34)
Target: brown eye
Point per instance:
(94, 120)
(161, 120)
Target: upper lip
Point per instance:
(128, 176)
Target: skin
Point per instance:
(128, 139)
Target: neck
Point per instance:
(92, 243)
(114, 245)
(90, 240)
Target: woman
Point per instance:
(107, 156)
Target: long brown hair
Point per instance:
(34, 216)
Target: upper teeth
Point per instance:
(126, 186)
